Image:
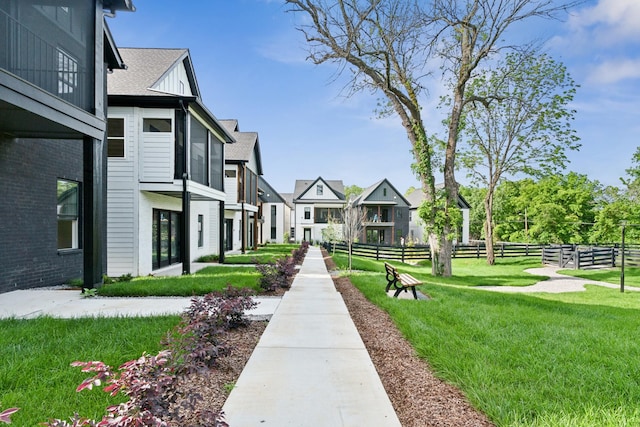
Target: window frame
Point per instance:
(74, 217)
(117, 138)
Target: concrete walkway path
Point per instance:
(66, 303)
(310, 367)
(557, 283)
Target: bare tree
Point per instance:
(387, 44)
(353, 222)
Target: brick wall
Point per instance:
(29, 170)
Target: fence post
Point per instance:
(378, 252)
(502, 250)
(403, 254)
(478, 250)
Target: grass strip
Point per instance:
(267, 253)
(209, 279)
(35, 355)
(526, 360)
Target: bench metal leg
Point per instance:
(413, 289)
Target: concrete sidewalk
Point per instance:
(310, 367)
(61, 303)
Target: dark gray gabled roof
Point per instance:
(269, 194)
(246, 144)
(368, 192)
(302, 185)
(145, 68)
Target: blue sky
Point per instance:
(250, 65)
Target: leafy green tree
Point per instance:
(555, 209)
(352, 190)
(522, 127)
(387, 44)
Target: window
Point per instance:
(273, 222)
(319, 189)
(384, 192)
(199, 153)
(156, 125)
(115, 137)
(230, 173)
(307, 213)
(216, 156)
(200, 231)
(165, 238)
(67, 73)
(68, 214)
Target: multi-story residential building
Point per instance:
(54, 57)
(166, 185)
(275, 215)
(243, 166)
(315, 203)
(387, 214)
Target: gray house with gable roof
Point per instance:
(166, 153)
(387, 214)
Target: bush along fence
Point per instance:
(565, 256)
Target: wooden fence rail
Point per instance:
(565, 256)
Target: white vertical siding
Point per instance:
(175, 81)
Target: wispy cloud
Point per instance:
(609, 22)
(614, 71)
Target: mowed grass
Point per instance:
(209, 279)
(267, 253)
(524, 360)
(466, 272)
(35, 356)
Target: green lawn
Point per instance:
(264, 254)
(610, 275)
(524, 360)
(35, 355)
(214, 278)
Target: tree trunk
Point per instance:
(488, 227)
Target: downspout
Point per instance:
(185, 241)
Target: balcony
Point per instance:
(40, 50)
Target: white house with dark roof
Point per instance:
(166, 194)
(416, 225)
(314, 202)
(275, 215)
(387, 214)
(243, 167)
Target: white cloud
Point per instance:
(609, 22)
(615, 71)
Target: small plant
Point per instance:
(228, 387)
(5, 416)
(151, 381)
(89, 292)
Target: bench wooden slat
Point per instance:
(400, 281)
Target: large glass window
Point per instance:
(115, 137)
(165, 238)
(200, 231)
(68, 208)
(198, 154)
(323, 215)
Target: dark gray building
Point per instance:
(54, 57)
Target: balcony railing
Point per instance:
(28, 55)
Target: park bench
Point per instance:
(400, 281)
